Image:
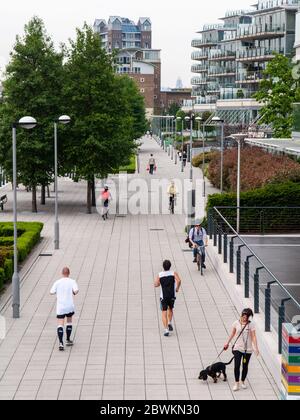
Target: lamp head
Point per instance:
(217, 120)
(64, 119)
(28, 123)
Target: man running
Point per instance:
(170, 283)
(65, 289)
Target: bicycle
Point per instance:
(200, 253)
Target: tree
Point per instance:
(278, 91)
(102, 132)
(33, 87)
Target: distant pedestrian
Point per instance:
(184, 158)
(106, 198)
(180, 156)
(170, 284)
(246, 342)
(65, 289)
(151, 165)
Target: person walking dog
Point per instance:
(246, 342)
(65, 289)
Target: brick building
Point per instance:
(174, 96)
(136, 58)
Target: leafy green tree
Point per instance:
(102, 131)
(33, 87)
(278, 91)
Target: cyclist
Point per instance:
(106, 198)
(172, 191)
(198, 237)
(184, 158)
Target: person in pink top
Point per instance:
(106, 198)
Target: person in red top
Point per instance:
(106, 198)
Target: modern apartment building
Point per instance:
(135, 57)
(297, 43)
(230, 57)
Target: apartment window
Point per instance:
(142, 80)
(142, 90)
(155, 96)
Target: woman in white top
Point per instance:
(245, 343)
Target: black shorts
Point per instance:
(70, 315)
(166, 304)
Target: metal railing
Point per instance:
(256, 30)
(270, 295)
(259, 52)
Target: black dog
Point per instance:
(215, 371)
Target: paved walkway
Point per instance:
(120, 352)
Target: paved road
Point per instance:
(120, 352)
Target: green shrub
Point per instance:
(131, 167)
(28, 237)
(208, 156)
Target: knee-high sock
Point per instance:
(69, 331)
(60, 333)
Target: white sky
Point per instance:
(174, 24)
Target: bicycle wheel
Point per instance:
(199, 261)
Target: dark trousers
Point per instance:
(151, 171)
(238, 359)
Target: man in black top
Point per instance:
(170, 283)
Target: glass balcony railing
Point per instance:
(259, 53)
(259, 31)
(198, 81)
(200, 43)
(199, 55)
(213, 87)
(222, 56)
(222, 71)
(249, 77)
(270, 4)
(199, 68)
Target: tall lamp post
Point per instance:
(219, 121)
(27, 123)
(64, 119)
(179, 119)
(238, 188)
(191, 144)
(200, 120)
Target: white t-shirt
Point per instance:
(244, 343)
(64, 289)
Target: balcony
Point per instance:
(200, 55)
(222, 72)
(251, 77)
(202, 43)
(257, 54)
(259, 32)
(223, 56)
(213, 88)
(198, 81)
(199, 68)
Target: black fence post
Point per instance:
(239, 265)
(268, 295)
(262, 222)
(256, 290)
(209, 223)
(247, 276)
(220, 241)
(225, 245)
(281, 321)
(231, 254)
(215, 226)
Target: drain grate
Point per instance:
(157, 230)
(46, 254)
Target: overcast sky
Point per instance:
(174, 24)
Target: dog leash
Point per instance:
(234, 343)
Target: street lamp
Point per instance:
(182, 143)
(64, 119)
(191, 144)
(218, 120)
(200, 120)
(238, 204)
(27, 123)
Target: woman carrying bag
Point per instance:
(245, 344)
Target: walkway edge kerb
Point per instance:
(267, 341)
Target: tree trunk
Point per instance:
(43, 195)
(94, 192)
(48, 191)
(34, 201)
(89, 197)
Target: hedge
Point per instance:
(131, 167)
(280, 220)
(28, 236)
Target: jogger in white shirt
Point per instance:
(65, 289)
